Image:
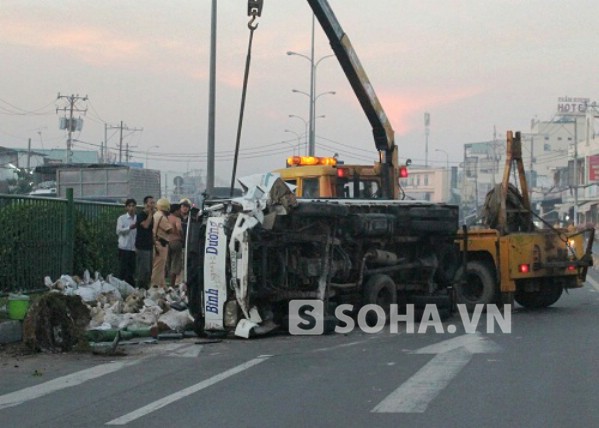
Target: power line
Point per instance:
(23, 112)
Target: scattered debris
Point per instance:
(115, 309)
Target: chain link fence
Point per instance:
(49, 237)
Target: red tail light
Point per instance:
(524, 268)
(571, 267)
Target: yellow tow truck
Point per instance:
(512, 259)
(507, 259)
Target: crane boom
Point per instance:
(382, 130)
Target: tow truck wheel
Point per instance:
(546, 296)
(379, 290)
(478, 287)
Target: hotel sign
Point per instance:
(574, 106)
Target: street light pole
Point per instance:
(311, 96)
(446, 157)
(312, 134)
(312, 99)
(305, 132)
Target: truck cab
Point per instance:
(327, 178)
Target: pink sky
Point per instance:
(473, 65)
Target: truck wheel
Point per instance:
(478, 286)
(546, 296)
(379, 290)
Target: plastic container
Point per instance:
(17, 306)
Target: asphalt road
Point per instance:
(542, 374)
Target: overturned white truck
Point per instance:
(250, 256)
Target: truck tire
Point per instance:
(379, 290)
(478, 287)
(546, 296)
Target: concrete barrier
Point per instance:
(11, 331)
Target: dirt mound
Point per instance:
(56, 323)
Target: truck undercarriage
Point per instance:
(330, 250)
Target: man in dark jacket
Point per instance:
(144, 243)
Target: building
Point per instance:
(560, 188)
(429, 184)
(566, 189)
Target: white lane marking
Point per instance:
(158, 404)
(592, 282)
(343, 345)
(475, 343)
(452, 355)
(414, 395)
(77, 378)
(190, 351)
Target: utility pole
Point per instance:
(29, 155)
(122, 127)
(427, 124)
(575, 171)
(532, 160)
(211, 104)
(71, 126)
(105, 145)
(121, 142)
(128, 154)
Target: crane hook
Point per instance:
(254, 10)
(251, 24)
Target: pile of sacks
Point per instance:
(116, 305)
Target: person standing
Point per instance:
(162, 230)
(175, 246)
(185, 212)
(144, 243)
(185, 208)
(126, 231)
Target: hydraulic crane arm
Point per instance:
(384, 138)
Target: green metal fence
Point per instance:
(48, 237)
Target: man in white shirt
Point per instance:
(125, 229)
